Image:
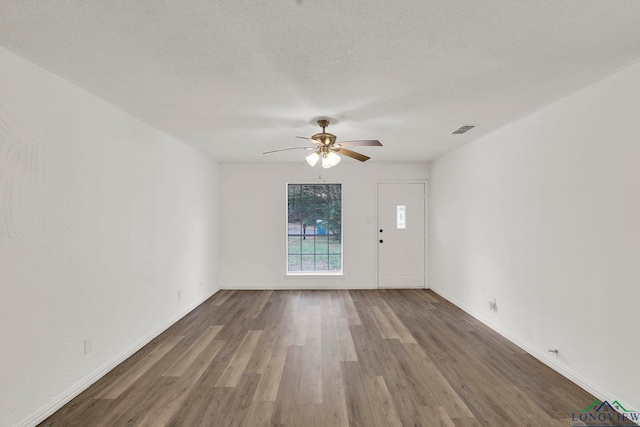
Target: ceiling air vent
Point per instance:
(462, 129)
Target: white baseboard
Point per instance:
(305, 287)
(84, 383)
(541, 355)
(299, 285)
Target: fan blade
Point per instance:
(352, 154)
(360, 143)
(286, 149)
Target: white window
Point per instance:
(314, 228)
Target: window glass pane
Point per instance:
(314, 226)
(335, 246)
(321, 245)
(322, 262)
(294, 244)
(335, 262)
(308, 263)
(308, 245)
(294, 263)
(401, 216)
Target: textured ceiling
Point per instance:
(236, 78)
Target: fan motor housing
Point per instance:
(324, 138)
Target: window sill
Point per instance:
(314, 275)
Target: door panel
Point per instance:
(401, 235)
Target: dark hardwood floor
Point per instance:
(327, 358)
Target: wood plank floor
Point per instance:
(327, 358)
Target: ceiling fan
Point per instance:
(327, 149)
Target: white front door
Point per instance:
(401, 235)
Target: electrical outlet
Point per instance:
(493, 306)
(88, 345)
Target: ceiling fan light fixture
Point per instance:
(333, 158)
(326, 162)
(312, 159)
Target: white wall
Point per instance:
(102, 220)
(544, 215)
(253, 221)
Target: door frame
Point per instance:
(426, 226)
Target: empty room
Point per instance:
(319, 213)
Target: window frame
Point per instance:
(319, 273)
